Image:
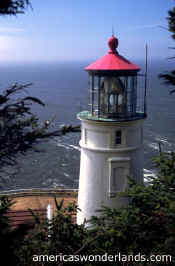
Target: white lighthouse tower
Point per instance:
(112, 133)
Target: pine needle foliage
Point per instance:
(13, 7)
(169, 77)
(19, 127)
(145, 227)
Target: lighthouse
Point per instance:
(111, 133)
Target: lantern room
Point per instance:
(113, 88)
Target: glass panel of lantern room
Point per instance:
(135, 95)
(101, 96)
(126, 93)
(106, 94)
(91, 93)
(131, 96)
(96, 89)
(99, 84)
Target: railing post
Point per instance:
(49, 218)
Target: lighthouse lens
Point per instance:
(120, 99)
(111, 99)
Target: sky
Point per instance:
(78, 30)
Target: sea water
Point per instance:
(63, 87)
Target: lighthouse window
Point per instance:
(118, 137)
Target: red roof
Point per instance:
(112, 60)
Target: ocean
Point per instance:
(63, 88)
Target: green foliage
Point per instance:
(166, 178)
(169, 78)
(67, 237)
(5, 204)
(10, 238)
(61, 236)
(13, 7)
(146, 226)
(171, 22)
(19, 127)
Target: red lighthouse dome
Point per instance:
(112, 60)
(113, 44)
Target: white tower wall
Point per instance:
(105, 165)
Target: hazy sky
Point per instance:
(69, 30)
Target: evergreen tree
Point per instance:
(147, 225)
(145, 228)
(13, 7)
(20, 129)
(169, 78)
(11, 239)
